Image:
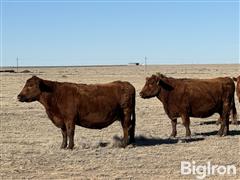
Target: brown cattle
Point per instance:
(93, 106)
(187, 98)
(238, 86)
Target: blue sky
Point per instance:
(89, 33)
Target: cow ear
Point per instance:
(44, 86)
(235, 79)
(165, 85)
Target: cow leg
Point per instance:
(226, 115)
(220, 131)
(70, 133)
(186, 123)
(219, 120)
(126, 125)
(132, 128)
(224, 129)
(64, 134)
(174, 127)
(234, 113)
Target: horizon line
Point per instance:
(112, 65)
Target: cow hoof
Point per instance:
(63, 147)
(172, 137)
(234, 122)
(220, 133)
(70, 147)
(123, 145)
(132, 145)
(225, 133)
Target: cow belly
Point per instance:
(203, 111)
(96, 120)
(203, 114)
(204, 104)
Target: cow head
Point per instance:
(32, 90)
(153, 86)
(237, 79)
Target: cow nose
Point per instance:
(19, 96)
(141, 94)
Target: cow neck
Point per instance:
(46, 97)
(163, 94)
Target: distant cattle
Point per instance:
(238, 86)
(187, 98)
(92, 106)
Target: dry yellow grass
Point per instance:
(30, 142)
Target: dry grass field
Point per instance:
(30, 143)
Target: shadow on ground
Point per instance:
(215, 122)
(152, 141)
(212, 133)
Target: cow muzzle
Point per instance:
(142, 94)
(21, 98)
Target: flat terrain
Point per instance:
(30, 142)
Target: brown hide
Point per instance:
(187, 98)
(92, 106)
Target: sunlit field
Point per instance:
(30, 143)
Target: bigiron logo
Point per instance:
(203, 170)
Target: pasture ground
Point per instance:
(30, 142)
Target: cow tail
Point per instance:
(133, 120)
(234, 112)
(134, 113)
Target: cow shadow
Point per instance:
(238, 123)
(214, 122)
(208, 122)
(212, 133)
(152, 141)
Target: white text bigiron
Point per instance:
(203, 170)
